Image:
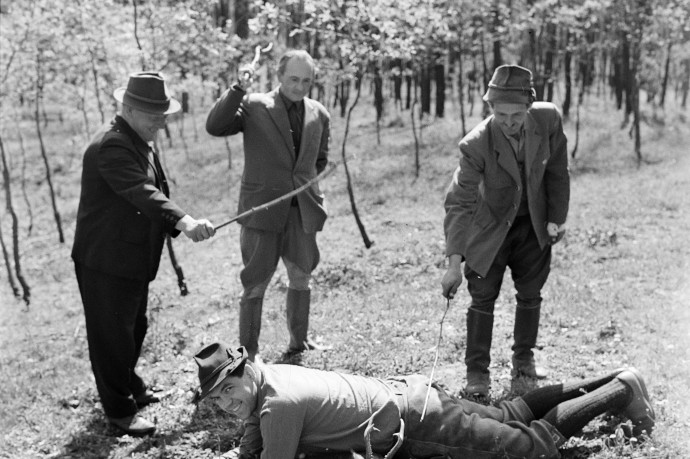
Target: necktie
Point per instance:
(295, 125)
(162, 182)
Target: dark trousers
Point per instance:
(529, 266)
(458, 428)
(116, 323)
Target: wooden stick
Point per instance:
(327, 171)
(438, 346)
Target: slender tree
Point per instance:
(26, 290)
(44, 153)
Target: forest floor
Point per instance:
(618, 294)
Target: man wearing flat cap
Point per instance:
(123, 218)
(290, 411)
(506, 205)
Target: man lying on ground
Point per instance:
(289, 410)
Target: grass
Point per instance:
(618, 294)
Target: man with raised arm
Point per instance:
(286, 138)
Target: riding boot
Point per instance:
(525, 333)
(297, 306)
(250, 324)
(478, 352)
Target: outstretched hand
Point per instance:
(196, 230)
(452, 279)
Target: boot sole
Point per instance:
(641, 403)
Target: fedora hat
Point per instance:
(147, 91)
(511, 84)
(216, 361)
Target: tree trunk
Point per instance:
(49, 180)
(350, 191)
(568, 78)
(548, 74)
(242, 18)
(96, 88)
(497, 24)
(486, 77)
(136, 35)
(15, 226)
(461, 87)
(627, 78)
(616, 80)
(25, 194)
(408, 83)
(344, 96)
(378, 102)
(8, 265)
(397, 84)
(685, 85)
(416, 140)
(425, 92)
(440, 78)
(664, 82)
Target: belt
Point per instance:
(399, 389)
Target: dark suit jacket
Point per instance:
(271, 168)
(124, 210)
(484, 195)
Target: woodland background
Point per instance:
(403, 81)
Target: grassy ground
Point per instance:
(618, 294)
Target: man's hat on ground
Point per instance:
(147, 91)
(216, 361)
(511, 84)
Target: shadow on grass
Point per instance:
(207, 433)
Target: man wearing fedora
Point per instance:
(286, 138)
(124, 215)
(289, 411)
(506, 205)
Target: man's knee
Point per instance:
(298, 279)
(528, 301)
(256, 291)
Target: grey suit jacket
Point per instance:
(483, 198)
(271, 167)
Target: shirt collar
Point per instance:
(289, 103)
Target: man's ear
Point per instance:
(248, 367)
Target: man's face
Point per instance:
(237, 395)
(146, 124)
(297, 79)
(510, 117)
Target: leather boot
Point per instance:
(525, 333)
(297, 306)
(250, 325)
(478, 352)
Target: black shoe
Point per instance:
(291, 357)
(527, 369)
(146, 398)
(313, 346)
(135, 425)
